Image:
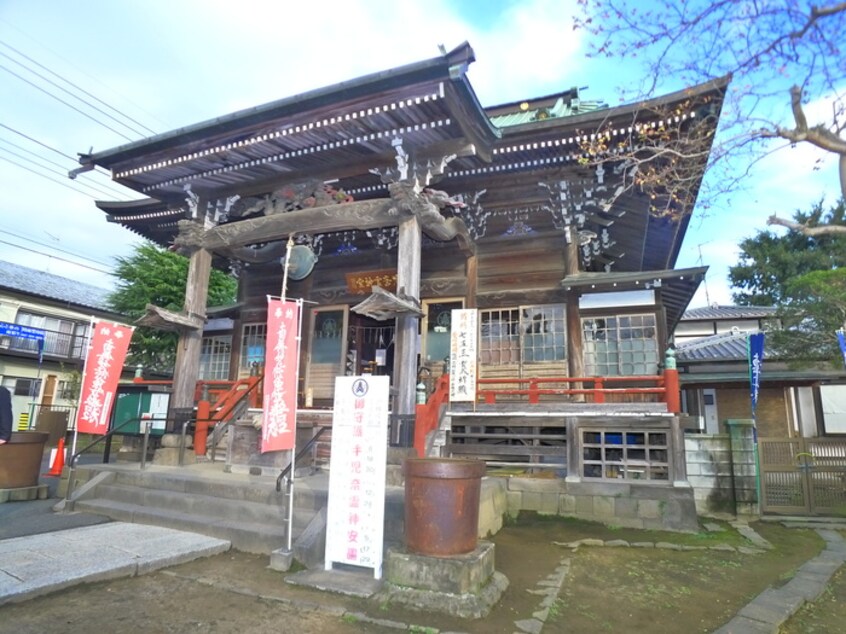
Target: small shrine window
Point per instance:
(625, 454)
(214, 357)
(620, 345)
(253, 339)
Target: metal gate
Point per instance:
(803, 476)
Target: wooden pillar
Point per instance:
(575, 344)
(574, 450)
(471, 269)
(407, 326)
(575, 347)
(187, 367)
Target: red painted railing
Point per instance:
(596, 389)
(427, 416)
(215, 401)
(664, 388)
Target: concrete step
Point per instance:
(252, 537)
(246, 489)
(194, 504)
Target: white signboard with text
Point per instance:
(356, 511)
(463, 355)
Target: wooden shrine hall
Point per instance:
(405, 198)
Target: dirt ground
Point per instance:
(606, 590)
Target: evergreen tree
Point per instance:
(770, 261)
(805, 278)
(152, 275)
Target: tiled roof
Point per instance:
(729, 346)
(62, 289)
(729, 312)
(563, 106)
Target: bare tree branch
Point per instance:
(805, 229)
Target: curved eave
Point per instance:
(150, 218)
(675, 287)
(590, 120)
(442, 68)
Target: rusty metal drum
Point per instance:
(20, 459)
(442, 505)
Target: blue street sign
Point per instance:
(21, 332)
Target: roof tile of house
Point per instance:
(62, 289)
(728, 312)
(728, 346)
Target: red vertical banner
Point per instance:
(279, 422)
(103, 365)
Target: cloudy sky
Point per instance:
(150, 66)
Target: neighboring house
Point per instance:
(798, 463)
(697, 323)
(714, 375)
(60, 307)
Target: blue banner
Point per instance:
(755, 351)
(841, 338)
(21, 332)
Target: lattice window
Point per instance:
(619, 454)
(620, 345)
(253, 341)
(544, 333)
(499, 333)
(214, 357)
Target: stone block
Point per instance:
(169, 457)
(610, 489)
(24, 494)
(584, 505)
(457, 574)
(625, 508)
(706, 468)
(566, 504)
(537, 485)
(603, 507)
(648, 509)
(532, 501)
(514, 502)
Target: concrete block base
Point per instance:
(281, 559)
(24, 494)
(169, 456)
(466, 586)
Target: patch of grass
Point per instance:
(555, 609)
(572, 529)
(422, 629)
(349, 618)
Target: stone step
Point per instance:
(252, 537)
(194, 504)
(260, 491)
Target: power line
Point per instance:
(50, 255)
(79, 88)
(52, 149)
(51, 246)
(82, 71)
(68, 92)
(29, 138)
(60, 100)
(59, 165)
(20, 156)
(23, 167)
